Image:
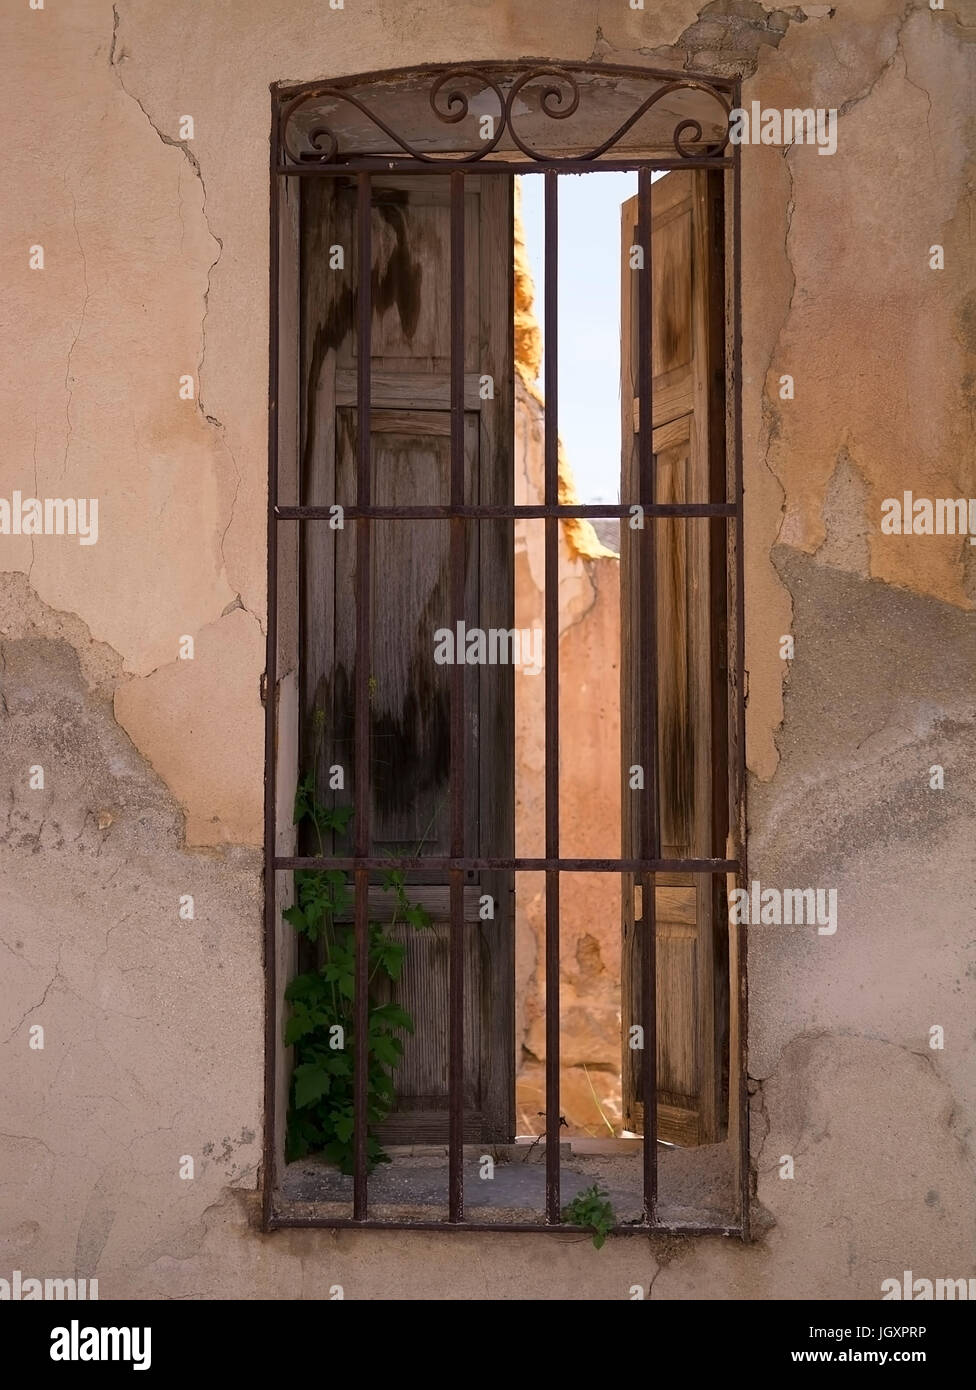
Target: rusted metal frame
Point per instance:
(379, 165)
(283, 1222)
(488, 511)
(558, 100)
(551, 454)
(270, 1164)
(455, 1083)
(362, 862)
(362, 718)
(637, 1228)
(738, 773)
(443, 863)
(649, 819)
(285, 92)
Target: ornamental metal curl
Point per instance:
(558, 101)
(553, 94)
(458, 107)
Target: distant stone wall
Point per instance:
(589, 646)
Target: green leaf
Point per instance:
(298, 1026)
(310, 987)
(296, 917)
(593, 1210)
(392, 1015)
(336, 819)
(389, 956)
(387, 1048)
(320, 1119)
(381, 1088)
(311, 1084)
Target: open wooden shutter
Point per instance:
(410, 428)
(688, 443)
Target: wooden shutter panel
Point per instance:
(688, 443)
(410, 581)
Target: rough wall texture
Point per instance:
(156, 266)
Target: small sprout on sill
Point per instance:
(592, 1209)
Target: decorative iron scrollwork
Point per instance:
(450, 100)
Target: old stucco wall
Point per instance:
(155, 267)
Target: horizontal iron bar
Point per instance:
(571, 866)
(282, 1223)
(283, 92)
(508, 166)
(437, 513)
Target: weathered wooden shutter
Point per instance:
(409, 694)
(688, 443)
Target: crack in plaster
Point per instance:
(828, 1035)
(34, 1007)
(30, 1139)
(733, 34)
(194, 163)
(30, 569)
(899, 48)
(760, 1092)
(769, 408)
(856, 100)
(67, 370)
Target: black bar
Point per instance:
(455, 1083)
(649, 838)
(738, 809)
(563, 866)
(362, 778)
(269, 1174)
(532, 511)
(284, 1222)
(288, 93)
(552, 692)
(506, 166)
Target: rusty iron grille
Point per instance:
(335, 129)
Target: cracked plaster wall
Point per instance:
(156, 266)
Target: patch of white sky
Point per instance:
(588, 306)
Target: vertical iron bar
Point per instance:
(552, 691)
(648, 666)
(270, 702)
(458, 539)
(738, 809)
(362, 741)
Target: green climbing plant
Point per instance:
(321, 1025)
(592, 1209)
